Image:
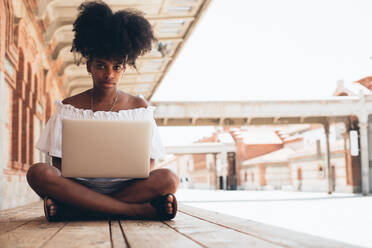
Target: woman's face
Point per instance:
(106, 73)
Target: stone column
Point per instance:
(231, 168)
(363, 137)
(328, 158)
(224, 165)
(370, 151)
(216, 179)
(363, 130)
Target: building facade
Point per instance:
(271, 158)
(28, 85)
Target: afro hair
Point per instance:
(101, 33)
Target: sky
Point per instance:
(268, 49)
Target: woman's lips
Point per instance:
(108, 84)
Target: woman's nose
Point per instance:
(109, 74)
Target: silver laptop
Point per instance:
(117, 149)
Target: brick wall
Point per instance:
(200, 161)
(28, 83)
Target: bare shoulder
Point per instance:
(78, 101)
(140, 102)
(129, 101)
(68, 100)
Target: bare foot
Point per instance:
(160, 208)
(168, 204)
(52, 207)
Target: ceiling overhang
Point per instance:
(173, 21)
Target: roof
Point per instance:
(172, 21)
(292, 129)
(350, 89)
(366, 81)
(279, 156)
(258, 135)
(311, 150)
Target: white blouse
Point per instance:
(50, 140)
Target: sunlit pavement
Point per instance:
(340, 216)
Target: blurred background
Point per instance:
(257, 102)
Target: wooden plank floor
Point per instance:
(26, 226)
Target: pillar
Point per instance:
(363, 130)
(328, 158)
(216, 179)
(231, 170)
(224, 165)
(370, 151)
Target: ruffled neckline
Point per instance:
(71, 110)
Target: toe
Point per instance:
(49, 202)
(52, 210)
(169, 208)
(169, 204)
(52, 207)
(170, 198)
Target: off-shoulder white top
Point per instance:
(50, 140)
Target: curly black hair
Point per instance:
(101, 33)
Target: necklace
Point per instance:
(91, 100)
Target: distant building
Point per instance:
(269, 171)
(353, 88)
(301, 165)
(273, 157)
(282, 157)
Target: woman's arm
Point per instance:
(57, 162)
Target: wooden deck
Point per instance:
(26, 226)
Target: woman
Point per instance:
(109, 42)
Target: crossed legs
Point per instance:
(131, 201)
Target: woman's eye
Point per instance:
(100, 66)
(117, 68)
